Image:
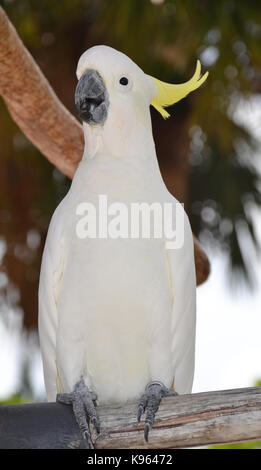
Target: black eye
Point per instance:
(124, 81)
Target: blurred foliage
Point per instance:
(206, 156)
(240, 445)
(14, 400)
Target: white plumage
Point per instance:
(121, 312)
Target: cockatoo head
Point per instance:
(110, 82)
(109, 78)
(113, 96)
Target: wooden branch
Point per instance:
(201, 262)
(33, 104)
(183, 421)
(43, 118)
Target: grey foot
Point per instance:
(150, 402)
(83, 403)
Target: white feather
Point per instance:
(119, 312)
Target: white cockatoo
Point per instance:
(117, 314)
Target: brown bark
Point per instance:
(202, 263)
(33, 104)
(42, 117)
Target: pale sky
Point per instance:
(228, 338)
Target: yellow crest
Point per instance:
(169, 93)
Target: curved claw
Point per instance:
(150, 402)
(140, 412)
(142, 406)
(147, 427)
(83, 403)
(96, 424)
(87, 437)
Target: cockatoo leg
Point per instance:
(150, 401)
(83, 403)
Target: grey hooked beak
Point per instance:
(91, 98)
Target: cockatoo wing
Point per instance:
(183, 282)
(52, 268)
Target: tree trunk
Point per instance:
(33, 104)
